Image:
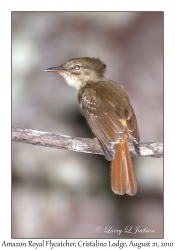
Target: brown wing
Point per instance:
(103, 121)
(133, 128)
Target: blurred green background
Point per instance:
(64, 194)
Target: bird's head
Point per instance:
(78, 71)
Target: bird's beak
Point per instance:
(54, 69)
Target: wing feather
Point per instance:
(103, 121)
(133, 128)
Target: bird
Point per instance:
(106, 106)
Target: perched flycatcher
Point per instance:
(107, 109)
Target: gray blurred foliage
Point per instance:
(63, 194)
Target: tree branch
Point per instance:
(85, 145)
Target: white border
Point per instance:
(5, 96)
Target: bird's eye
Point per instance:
(77, 67)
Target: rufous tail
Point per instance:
(122, 173)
